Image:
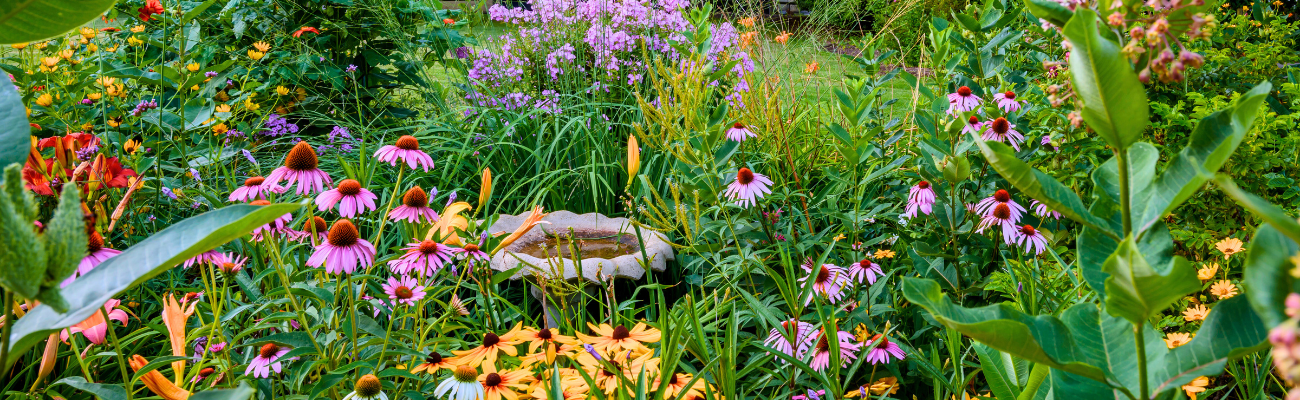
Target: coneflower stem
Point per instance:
(379, 233)
(117, 346)
(4, 333)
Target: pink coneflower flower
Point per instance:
(268, 359)
(274, 226)
(94, 327)
(255, 188)
(407, 149)
(748, 188)
(1007, 101)
(865, 270)
(351, 198)
(471, 251)
(1031, 239)
(230, 263)
(792, 338)
(203, 258)
(920, 198)
(828, 280)
(882, 349)
(404, 291)
(315, 225)
(415, 204)
(1041, 210)
(962, 101)
(300, 167)
(973, 125)
(822, 351)
(1000, 197)
(1000, 216)
(739, 132)
(422, 257)
(1002, 131)
(1047, 139)
(342, 250)
(96, 253)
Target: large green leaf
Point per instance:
(1215, 139)
(999, 370)
(1136, 290)
(1114, 101)
(102, 391)
(15, 131)
(1039, 185)
(1042, 339)
(1050, 11)
(1270, 213)
(1268, 277)
(138, 263)
(243, 392)
(24, 21)
(1230, 331)
(1109, 342)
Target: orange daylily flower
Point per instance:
(156, 382)
(534, 218)
(174, 316)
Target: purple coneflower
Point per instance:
(342, 250)
(274, 226)
(739, 132)
(471, 251)
(920, 198)
(268, 359)
(415, 204)
(96, 253)
(404, 291)
(255, 188)
(828, 280)
(351, 198)
(210, 256)
(865, 271)
(882, 349)
(1000, 196)
(407, 149)
(315, 228)
(1041, 210)
(748, 188)
(973, 125)
(1001, 216)
(230, 263)
(422, 257)
(1047, 139)
(300, 167)
(962, 101)
(1002, 131)
(1031, 239)
(822, 350)
(1007, 101)
(792, 338)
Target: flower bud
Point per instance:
(1191, 58)
(1145, 76)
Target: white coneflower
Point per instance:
(462, 385)
(367, 388)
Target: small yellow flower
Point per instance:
(116, 122)
(133, 41)
(193, 67)
(87, 127)
(261, 46)
(137, 29)
(1223, 289)
(45, 100)
(281, 90)
(106, 81)
(220, 129)
(116, 90)
(1295, 260)
(95, 96)
(92, 47)
(42, 45)
(811, 67)
(111, 49)
(250, 105)
(1196, 386)
(255, 55)
(66, 53)
(1175, 339)
(195, 88)
(838, 237)
(882, 253)
(88, 32)
(49, 61)
(130, 146)
(18, 46)
(1229, 246)
(1196, 313)
(223, 108)
(1207, 272)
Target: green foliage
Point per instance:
(25, 21)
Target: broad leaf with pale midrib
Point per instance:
(1114, 101)
(24, 21)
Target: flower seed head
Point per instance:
(620, 333)
(465, 373)
(343, 233)
(349, 187)
(254, 181)
(490, 339)
(408, 142)
(301, 158)
(316, 224)
(368, 386)
(416, 197)
(923, 185)
(268, 350)
(745, 176)
(1002, 196)
(1001, 126)
(1002, 211)
(963, 91)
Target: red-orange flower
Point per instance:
(305, 29)
(150, 8)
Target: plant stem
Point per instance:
(4, 333)
(1126, 209)
(117, 347)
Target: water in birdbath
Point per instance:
(590, 244)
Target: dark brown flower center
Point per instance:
(1028, 230)
(673, 380)
(429, 247)
(301, 158)
(492, 380)
(1010, 95)
(490, 339)
(349, 187)
(822, 343)
(823, 274)
(620, 333)
(206, 371)
(1001, 125)
(433, 358)
(744, 176)
(416, 197)
(368, 386)
(923, 185)
(544, 334)
(963, 91)
(738, 126)
(403, 293)
(254, 181)
(343, 233)
(408, 142)
(864, 263)
(1002, 196)
(1002, 211)
(268, 350)
(974, 119)
(471, 247)
(315, 225)
(95, 243)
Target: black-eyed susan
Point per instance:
(491, 346)
(617, 338)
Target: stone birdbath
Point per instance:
(608, 247)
